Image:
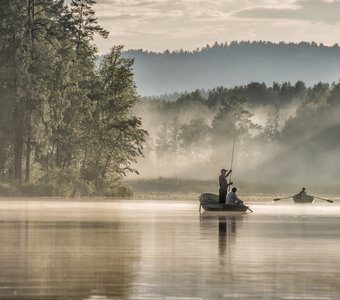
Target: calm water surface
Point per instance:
(165, 250)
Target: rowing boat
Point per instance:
(210, 202)
(298, 198)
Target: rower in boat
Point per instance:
(302, 194)
(302, 197)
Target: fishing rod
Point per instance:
(231, 166)
(232, 160)
(233, 149)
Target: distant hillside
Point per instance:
(233, 64)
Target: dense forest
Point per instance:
(72, 123)
(235, 63)
(286, 134)
(66, 124)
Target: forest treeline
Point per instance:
(66, 124)
(285, 133)
(235, 63)
(72, 123)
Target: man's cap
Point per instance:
(223, 170)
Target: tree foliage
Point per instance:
(64, 120)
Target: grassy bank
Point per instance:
(190, 186)
(176, 185)
(61, 190)
(159, 188)
(171, 185)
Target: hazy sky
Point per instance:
(173, 24)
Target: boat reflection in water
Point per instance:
(227, 227)
(226, 234)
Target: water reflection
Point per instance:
(146, 250)
(226, 226)
(226, 234)
(67, 260)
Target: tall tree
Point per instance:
(15, 78)
(115, 137)
(60, 114)
(84, 25)
(24, 27)
(68, 105)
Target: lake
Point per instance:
(133, 249)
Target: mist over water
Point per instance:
(293, 143)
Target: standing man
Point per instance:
(223, 185)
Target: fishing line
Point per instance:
(233, 150)
(232, 159)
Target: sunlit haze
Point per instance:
(158, 25)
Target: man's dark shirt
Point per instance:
(223, 183)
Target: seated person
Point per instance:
(232, 198)
(301, 195)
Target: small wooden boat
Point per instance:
(298, 198)
(210, 202)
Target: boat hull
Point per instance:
(299, 199)
(210, 202)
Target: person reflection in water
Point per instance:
(226, 234)
(223, 185)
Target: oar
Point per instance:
(277, 199)
(330, 201)
(249, 209)
(246, 206)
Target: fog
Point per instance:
(293, 142)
